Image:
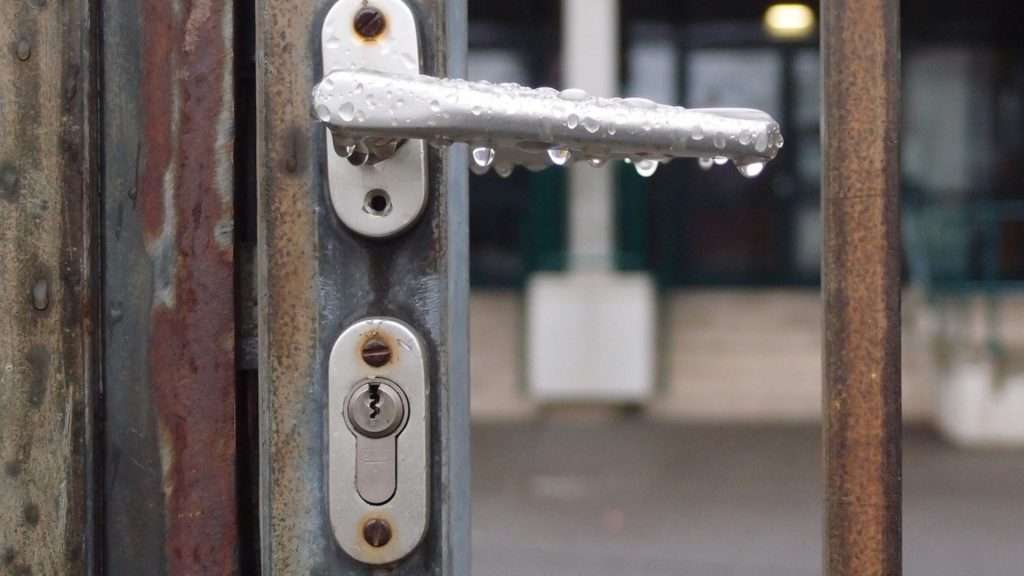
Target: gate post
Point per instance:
(860, 42)
(316, 277)
(47, 286)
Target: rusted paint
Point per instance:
(46, 290)
(861, 287)
(172, 440)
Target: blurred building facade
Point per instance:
(736, 261)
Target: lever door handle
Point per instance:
(380, 112)
(370, 114)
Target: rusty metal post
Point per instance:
(861, 287)
(315, 277)
(168, 288)
(47, 286)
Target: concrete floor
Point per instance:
(636, 498)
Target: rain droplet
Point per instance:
(762, 142)
(477, 169)
(591, 124)
(347, 112)
(745, 138)
(358, 88)
(435, 106)
(504, 170)
(697, 133)
(719, 140)
(559, 156)
(345, 151)
(360, 117)
(573, 94)
(572, 121)
(646, 167)
(399, 103)
(483, 156)
(597, 162)
(641, 103)
(721, 160)
(779, 140)
(323, 113)
(705, 163)
(751, 170)
(477, 110)
(612, 129)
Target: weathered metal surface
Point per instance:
(169, 353)
(861, 287)
(46, 286)
(315, 278)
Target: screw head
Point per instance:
(369, 22)
(376, 352)
(377, 532)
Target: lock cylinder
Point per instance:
(378, 469)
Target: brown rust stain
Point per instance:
(861, 279)
(43, 330)
(185, 198)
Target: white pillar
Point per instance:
(591, 330)
(590, 60)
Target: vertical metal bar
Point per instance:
(168, 288)
(861, 287)
(315, 277)
(47, 287)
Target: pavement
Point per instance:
(633, 497)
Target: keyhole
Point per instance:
(374, 401)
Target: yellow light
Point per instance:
(789, 21)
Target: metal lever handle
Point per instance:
(371, 113)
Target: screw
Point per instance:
(377, 532)
(369, 22)
(376, 352)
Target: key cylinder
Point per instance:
(376, 409)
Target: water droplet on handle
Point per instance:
(435, 106)
(483, 156)
(504, 170)
(323, 113)
(762, 142)
(591, 124)
(719, 140)
(697, 133)
(597, 162)
(751, 169)
(478, 169)
(721, 160)
(705, 163)
(573, 94)
(559, 156)
(347, 112)
(646, 167)
(572, 121)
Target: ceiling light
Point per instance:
(789, 21)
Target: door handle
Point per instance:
(380, 112)
(370, 113)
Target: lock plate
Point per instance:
(378, 440)
(384, 198)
